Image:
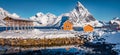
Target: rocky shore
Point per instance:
(40, 42)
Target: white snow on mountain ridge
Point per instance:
(79, 17)
(115, 20)
(4, 13)
(14, 15)
(44, 19)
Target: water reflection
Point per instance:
(99, 48)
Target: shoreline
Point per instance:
(40, 42)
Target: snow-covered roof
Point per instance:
(23, 19)
(68, 21)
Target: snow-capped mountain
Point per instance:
(79, 16)
(44, 19)
(115, 20)
(4, 13)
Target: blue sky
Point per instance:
(101, 9)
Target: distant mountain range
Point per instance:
(115, 21)
(4, 13)
(79, 16)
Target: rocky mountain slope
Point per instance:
(79, 16)
(3, 14)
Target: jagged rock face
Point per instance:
(115, 21)
(81, 15)
(3, 14)
(44, 19)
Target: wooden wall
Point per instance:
(67, 26)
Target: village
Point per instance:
(43, 33)
(17, 29)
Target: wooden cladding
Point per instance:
(17, 22)
(67, 25)
(88, 28)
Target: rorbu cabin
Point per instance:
(18, 22)
(88, 28)
(67, 25)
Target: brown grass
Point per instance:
(41, 42)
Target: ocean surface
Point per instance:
(36, 27)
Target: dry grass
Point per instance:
(41, 42)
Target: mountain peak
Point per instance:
(4, 13)
(116, 18)
(79, 16)
(78, 3)
(1, 8)
(39, 14)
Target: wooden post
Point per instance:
(17, 25)
(13, 25)
(24, 25)
(10, 26)
(7, 26)
(32, 25)
(21, 24)
(29, 25)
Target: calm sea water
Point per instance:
(59, 50)
(36, 27)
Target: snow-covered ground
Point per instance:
(113, 37)
(110, 37)
(35, 33)
(48, 33)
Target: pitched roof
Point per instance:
(22, 19)
(68, 21)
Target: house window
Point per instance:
(67, 26)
